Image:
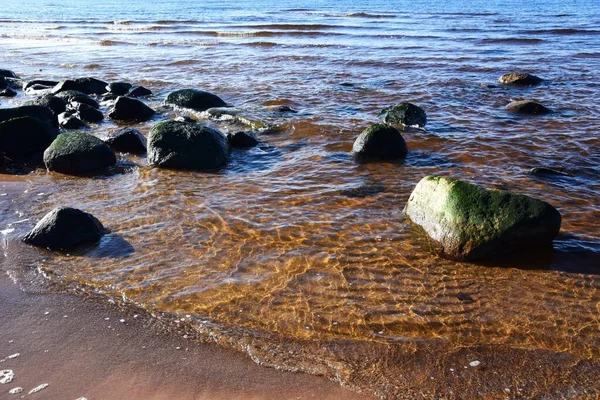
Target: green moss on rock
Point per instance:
(76, 153)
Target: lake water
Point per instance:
(298, 255)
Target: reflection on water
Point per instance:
(294, 241)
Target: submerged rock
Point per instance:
(73, 96)
(64, 228)
(519, 79)
(24, 137)
(118, 88)
(77, 153)
(84, 85)
(195, 99)
(127, 109)
(127, 140)
(242, 140)
(471, 222)
(545, 171)
(56, 104)
(379, 142)
(405, 114)
(40, 112)
(184, 145)
(139, 91)
(529, 107)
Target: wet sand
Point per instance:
(82, 349)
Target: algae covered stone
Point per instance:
(528, 107)
(471, 222)
(187, 145)
(519, 79)
(64, 228)
(76, 153)
(406, 114)
(379, 142)
(195, 99)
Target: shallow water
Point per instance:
(294, 240)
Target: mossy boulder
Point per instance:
(194, 99)
(406, 114)
(470, 222)
(65, 228)
(127, 140)
(40, 112)
(185, 145)
(73, 96)
(528, 107)
(519, 79)
(56, 104)
(78, 153)
(126, 109)
(84, 85)
(379, 142)
(25, 137)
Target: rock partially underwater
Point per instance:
(78, 153)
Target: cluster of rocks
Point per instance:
(466, 221)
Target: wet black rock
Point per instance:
(379, 142)
(184, 145)
(546, 171)
(56, 104)
(126, 109)
(68, 120)
(25, 137)
(118, 88)
(84, 85)
(8, 92)
(519, 79)
(65, 228)
(242, 140)
(528, 107)
(40, 83)
(78, 153)
(74, 96)
(40, 112)
(6, 73)
(3, 83)
(194, 99)
(139, 91)
(127, 140)
(406, 114)
(85, 112)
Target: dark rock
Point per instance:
(56, 104)
(6, 73)
(127, 140)
(24, 137)
(242, 140)
(406, 114)
(119, 88)
(3, 83)
(529, 107)
(86, 112)
(77, 153)
(8, 92)
(126, 109)
(139, 91)
(72, 96)
(40, 82)
(198, 100)
(65, 228)
(38, 89)
(110, 97)
(544, 171)
(40, 112)
(84, 85)
(174, 144)
(67, 120)
(470, 222)
(465, 298)
(380, 141)
(519, 79)
(14, 83)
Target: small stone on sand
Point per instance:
(14, 355)
(16, 390)
(6, 376)
(474, 363)
(38, 388)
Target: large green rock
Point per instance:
(40, 112)
(379, 142)
(25, 137)
(77, 153)
(195, 99)
(470, 222)
(56, 104)
(187, 145)
(406, 114)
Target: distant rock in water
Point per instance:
(72, 96)
(194, 99)
(118, 88)
(6, 73)
(56, 104)
(406, 114)
(242, 140)
(139, 91)
(184, 145)
(519, 79)
(127, 140)
(84, 85)
(528, 107)
(25, 137)
(379, 142)
(78, 153)
(545, 171)
(126, 109)
(65, 228)
(40, 112)
(470, 222)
